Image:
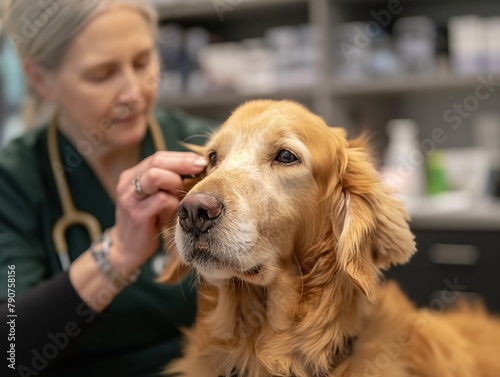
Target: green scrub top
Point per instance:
(139, 332)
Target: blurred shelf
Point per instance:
(231, 98)
(402, 85)
(357, 2)
(482, 215)
(169, 10)
(340, 88)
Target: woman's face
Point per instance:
(107, 82)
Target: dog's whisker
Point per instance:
(205, 135)
(170, 228)
(196, 279)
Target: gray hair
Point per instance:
(43, 30)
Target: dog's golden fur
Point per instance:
(320, 231)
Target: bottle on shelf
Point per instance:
(404, 161)
(467, 44)
(416, 44)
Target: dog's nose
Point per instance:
(197, 212)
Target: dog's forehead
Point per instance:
(268, 125)
(258, 137)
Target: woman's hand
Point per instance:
(139, 216)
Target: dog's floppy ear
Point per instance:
(374, 231)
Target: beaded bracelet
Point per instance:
(101, 257)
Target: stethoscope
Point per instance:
(71, 215)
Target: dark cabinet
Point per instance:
(450, 264)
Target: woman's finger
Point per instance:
(155, 179)
(154, 205)
(179, 162)
(175, 163)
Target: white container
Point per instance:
(486, 135)
(467, 45)
(492, 25)
(415, 41)
(353, 49)
(404, 162)
(468, 170)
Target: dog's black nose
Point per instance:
(197, 212)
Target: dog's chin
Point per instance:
(219, 274)
(216, 267)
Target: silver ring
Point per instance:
(137, 186)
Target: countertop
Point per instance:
(481, 215)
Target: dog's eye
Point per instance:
(286, 157)
(214, 159)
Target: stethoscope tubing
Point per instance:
(71, 215)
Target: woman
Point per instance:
(96, 63)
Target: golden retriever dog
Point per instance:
(288, 235)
